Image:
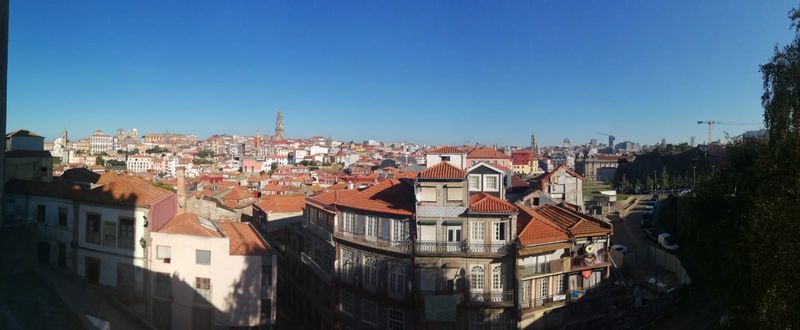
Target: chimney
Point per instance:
(180, 172)
(350, 185)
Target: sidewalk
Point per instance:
(83, 298)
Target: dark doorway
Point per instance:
(62, 255)
(92, 270)
(43, 252)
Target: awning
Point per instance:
(426, 222)
(544, 248)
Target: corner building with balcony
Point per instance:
(463, 254)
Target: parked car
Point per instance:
(620, 248)
(649, 209)
(654, 198)
(667, 242)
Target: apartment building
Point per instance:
(199, 268)
(100, 142)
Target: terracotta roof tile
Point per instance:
(188, 224)
(443, 170)
(389, 196)
(486, 153)
(243, 238)
(485, 203)
(578, 224)
(282, 204)
(535, 229)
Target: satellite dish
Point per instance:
(589, 249)
(419, 196)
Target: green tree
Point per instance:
(100, 161)
(665, 179)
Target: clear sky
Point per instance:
(427, 72)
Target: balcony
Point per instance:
(322, 233)
(389, 245)
(433, 248)
(583, 262)
(327, 278)
(499, 298)
(544, 302)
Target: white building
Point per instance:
(100, 142)
(139, 163)
(211, 275)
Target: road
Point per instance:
(628, 231)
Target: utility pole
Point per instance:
(694, 175)
(3, 88)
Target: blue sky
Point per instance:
(427, 71)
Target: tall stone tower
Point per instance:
(534, 147)
(279, 127)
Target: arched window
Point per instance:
(476, 278)
(347, 265)
(370, 271)
(497, 277)
(397, 279)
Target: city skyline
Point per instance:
(637, 77)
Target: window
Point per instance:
(347, 303)
(202, 287)
(62, 216)
(369, 312)
(347, 265)
(109, 234)
(474, 182)
(445, 158)
(370, 272)
(372, 227)
(525, 292)
(490, 183)
(93, 228)
(399, 230)
(499, 231)
(126, 234)
(497, 278)
(476, 279)
(478, 231)
(163, 252)
(427, 194)
(543, 287)
(396, 319)
(559, 285)
(202, 257)
(455, 194)
(41, 213)
(163, 285)
(453, 234)
(397, 279)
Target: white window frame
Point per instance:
(498, 280)
(398, 231)
(479, 183)
(161, 250)
(371, 230)
(477, 231)
(500, 228)
(460, 194)
(486, 178)
(428, 194)
(476, 278)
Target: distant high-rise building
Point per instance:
(611, 142)
(691, 141)
(279, 127)
(663, 142)
(593, 143)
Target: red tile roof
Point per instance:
(535, 229)
(125, 189)
(243, 239)
(188, 224)
(282, 204)
(486, 153)
(446, 150)
(517, 182)
(389, 196)
(443, 170)
(578, 224)
(485, 203)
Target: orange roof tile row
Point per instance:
(535, 229)
(282, 204)
(243, 239)
(486, 153)
(443, 170)
(446, 150)
(188, 224)
(389, 196)
(578, 224)
(486, 203)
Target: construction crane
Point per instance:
(711, 124)
(611, 139)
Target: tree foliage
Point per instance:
(745, 220)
